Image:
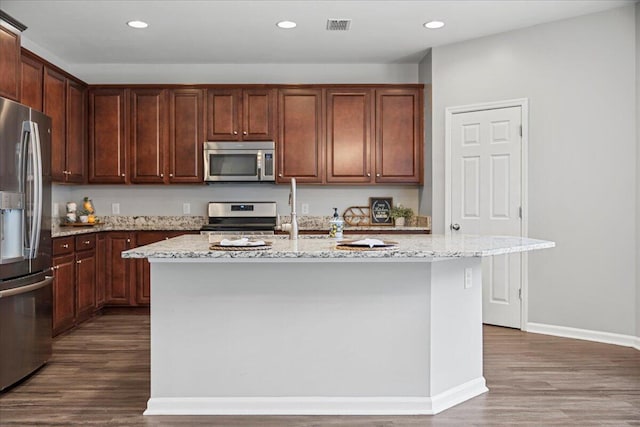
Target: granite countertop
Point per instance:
(194, 223)
(409, 246)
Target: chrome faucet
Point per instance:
(292, 227)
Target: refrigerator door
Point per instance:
(25, 327)
(13, 118)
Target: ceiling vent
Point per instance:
(338, 24)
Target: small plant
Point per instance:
(83, 212)
(400, 211)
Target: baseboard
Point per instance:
(584, 334)
(315, 405)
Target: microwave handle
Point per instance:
(260, 158)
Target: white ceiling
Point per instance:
(214, 31)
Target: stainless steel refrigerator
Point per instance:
(25, 241)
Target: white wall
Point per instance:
(168, 200)
(424, 75)
(579, 75)
(638, 170)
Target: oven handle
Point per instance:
(24, 289)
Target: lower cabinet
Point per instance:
(74, 283)
(121, 272)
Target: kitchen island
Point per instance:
(306, 328)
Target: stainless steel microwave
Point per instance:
(239, 161)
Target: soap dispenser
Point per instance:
(336, 225)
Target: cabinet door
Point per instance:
(64, 292)
(186, 136)
(107, 136)
(85, 284)
(9, 64)
(76, 132)
(399, 135)
(223, 110)
(120, 271)
(148, 139)
(349, 148)
(300, 135)
(54, 103)
(258, 114)
(32, 75)
(101, 269)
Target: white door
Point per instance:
(486, 198)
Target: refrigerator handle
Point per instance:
(33, 173)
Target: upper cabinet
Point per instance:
(240, 114)
(186, 135)
(107, 136)
(149, 132)
(32, 79)
(300, 144)
(399, 136)
(64, 101)
(9, 63)
(350, 151)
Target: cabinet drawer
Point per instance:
(85, 242)
(63, 245)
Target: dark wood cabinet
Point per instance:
(300, 146)
(54, 106)
(101, 269)
(399, 136)
(121, 274)
(107, 136)
(9, 64)
(76, 133)
(350, 151)
(148, 140)
(85, 284)
(32, 78)
(240, 114)
(186, 135)
(64, 291)
(64, 101)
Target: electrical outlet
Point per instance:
(305, 208)
(468, 278)
(115, 208)
(186, 208)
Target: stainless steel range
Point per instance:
(241, 217)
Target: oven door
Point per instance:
(232, 165)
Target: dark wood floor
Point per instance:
(99, 375)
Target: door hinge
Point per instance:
(520, 130)
(520, 212)
(520, 293)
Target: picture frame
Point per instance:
(379, 210)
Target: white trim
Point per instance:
(523, 103)
(391, 405)
(585, 334)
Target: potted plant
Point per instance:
(400, 214)
(83, 215)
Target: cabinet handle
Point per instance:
(128, 240)
(66, 245)
(166, 238)
(377, 174)
(122, 175)
(244, 133)
(235, 132)
(79, 261)
(161, 175)
(170, 175)
(368, 173)
(55, 267)
(280, 175)
(86, 242)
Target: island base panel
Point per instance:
(314, 338)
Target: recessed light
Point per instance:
(434, 25)
(287, 25)
(137, 24)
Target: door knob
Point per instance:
(455, 227)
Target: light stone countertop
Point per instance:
(318, 247)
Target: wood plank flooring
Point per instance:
(99, 376)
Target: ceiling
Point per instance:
(244, 32)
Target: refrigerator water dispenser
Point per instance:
(11, 227)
